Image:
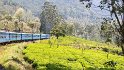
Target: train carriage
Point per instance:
(4, 37)
(45, 36)
(13, 36)
(36, 36)
(26, 36)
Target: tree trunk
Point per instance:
(57, 36)
(122, 35)
(122, 30)
(122, 45)
(22, 27)
(122, 39)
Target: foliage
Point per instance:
(110, 63)
(50, 17)
(58, 31)
(68, 57)
(69, 28)
(107, 30)
(19, 13)
(116, 9)
(15, 18)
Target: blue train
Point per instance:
(13, 36)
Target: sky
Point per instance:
(96, 2)
(103, 12)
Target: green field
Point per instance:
(70, 53)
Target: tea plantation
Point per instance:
(71, 53)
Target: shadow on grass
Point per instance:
(57, 67)
(14, 60)
(10, 67)
(62, 67)
(1, 67)
(9, 64)
(91, 68)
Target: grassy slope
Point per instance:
(73, 54)
(11, 57)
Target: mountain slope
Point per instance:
(70, 9)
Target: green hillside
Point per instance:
(70, 53)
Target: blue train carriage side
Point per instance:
(4, 37)
(36, 36)
(26, 36)
(13, 36)
(45, 36)
(48, 36)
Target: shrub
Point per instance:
(110, 64)
(105, 49)
(28, 60)
(34, 65)
(72, 59)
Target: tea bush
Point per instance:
(67, 57)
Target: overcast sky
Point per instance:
(103, 12)
(96, 2)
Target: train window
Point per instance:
(2, 36)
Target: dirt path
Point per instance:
(11, 57)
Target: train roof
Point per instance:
(14, 32)
(21, 33)
(4, 32)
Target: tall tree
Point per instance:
(37, 24)
(19, 15)
(58, 31)
(49, 17)
(107, 30)
(116, 9)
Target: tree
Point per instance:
(19, 15)
(107, 30)
(28, 16)
(37, 24)
(49, 17)
(58, 31)
(69, 28)
(32, 25)
(116, 9)
(6, 18)
(16, 25)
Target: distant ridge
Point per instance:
(69, 9)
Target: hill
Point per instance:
(71, 9)
(71, 53)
